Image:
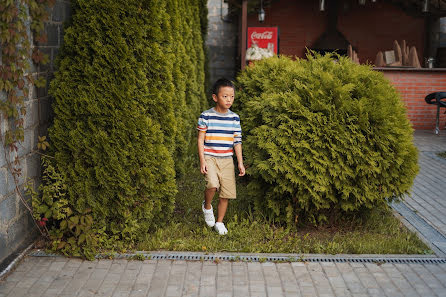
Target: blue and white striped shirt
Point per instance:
(223, 131)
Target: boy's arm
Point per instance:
(238, 153)
(203, 165)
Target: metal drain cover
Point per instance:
(191, 256)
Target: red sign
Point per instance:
(264, 37)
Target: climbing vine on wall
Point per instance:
(18, 20)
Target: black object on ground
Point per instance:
(438, 98)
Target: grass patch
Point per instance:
(443, 154)
(373, 232)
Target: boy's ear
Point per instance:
(214, 97)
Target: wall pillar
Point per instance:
(221, 42)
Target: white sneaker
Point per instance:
(208, 215)
(220, 228)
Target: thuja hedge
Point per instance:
(129, 86)
(323, 136)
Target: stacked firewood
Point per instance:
(352, 54)
(400, 56)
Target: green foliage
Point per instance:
(16, 19)
(442, 154)
(374, 231)
(188, 74)
(323, 137)
(120, 117)
(71, 233)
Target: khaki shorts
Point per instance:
(221, 175)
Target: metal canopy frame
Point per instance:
(436, 8)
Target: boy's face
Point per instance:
(224, 98)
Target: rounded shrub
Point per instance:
(114, 119)
(323, 136)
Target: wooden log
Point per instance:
(379, 61)
(405, 53)
(398, 54)
(413, 58)
(350, 51)
(355, 57)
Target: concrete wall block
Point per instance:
(54, 65)
(33, 67)
(52, 31)
(5, 184)
(43, 129)
(32, 114)
(45, 67)
(22, 199)
(17, 232)
(58, 13)
(215, 18)
(11, 185)
(61, 34)
(68, 10)
(221, 58)
(8, 209)
(2, 158)
(222, 73)
(25, 146)
(3, 247)
(39, 92)
(35, 139)
(49, 78)
(33, 166)
(31, 89)
(45, 110)
(212, 11)
(4, 125)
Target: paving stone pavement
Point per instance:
(64, 277)
(428, 197)
(427, 201)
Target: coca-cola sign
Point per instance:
(264, 37)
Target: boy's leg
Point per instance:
(208, 195)
(227, 187)
(222, 206)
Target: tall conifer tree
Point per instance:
(114, 115)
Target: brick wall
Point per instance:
(413, 86)
(370, 28)
(16, 226)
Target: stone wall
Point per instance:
(221, 42)
(17, 228)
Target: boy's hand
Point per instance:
(204, 168)
(241, 169)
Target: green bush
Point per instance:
(188, 73)
(127, 93)
(114, 119)
(323, 136)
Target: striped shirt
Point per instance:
(223, 131)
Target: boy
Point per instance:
(219, 134)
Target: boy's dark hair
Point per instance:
(222, 82)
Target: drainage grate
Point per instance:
(249, 258)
